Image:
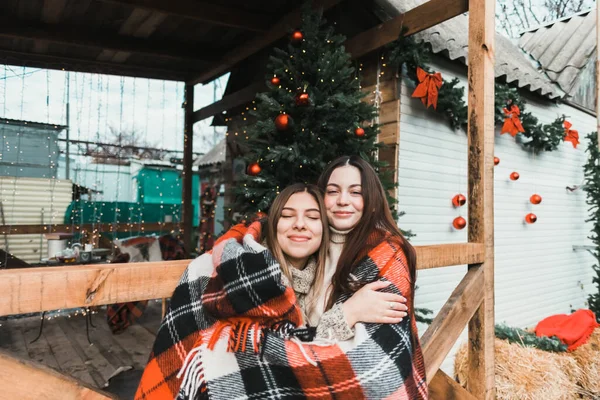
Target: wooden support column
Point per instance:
(481, 191)
(188, 159)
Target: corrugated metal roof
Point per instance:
(214, 156)
(26, 201)
(563, 47)
(451, 39)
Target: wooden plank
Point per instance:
(66, 357)
(388, 90)
(76, 36)
(480, 132)
(389, 133)
(102, 228)
(53, 288)
(211, 13)
(389, 112)
(451, 320)
(77, 64)
(187, 210)
(25, 380)
(442, 255)
(246, 95)
(442, 387)
(246, 49)
(416, 20)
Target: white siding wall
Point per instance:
(537, 272)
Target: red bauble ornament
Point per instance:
(360, 132)
(535, 199)
(297, 37)
(254, 169)
(496, 161)
(459, 200)
(514, 176)
(282, 122)
(260, 215)
(275, 81)
(530, 218)
(459, 223)
(302, 99)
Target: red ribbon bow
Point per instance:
(427, 89)
(571, 135)
(512, 123)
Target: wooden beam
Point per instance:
(443, 255)
(211, 13)
(54, 288)
(451, 320)
(76, 36)
(188, 160)
(416, 20)
(100, 228)
(480, 132)
(246, 49)
(22, 379)
(61, 63)
(442, 387)
(228, 102)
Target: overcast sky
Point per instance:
(98, 102)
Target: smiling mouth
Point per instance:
(343, 214)
(299, 238)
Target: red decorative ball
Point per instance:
(260, 215)
(496, 161)
(254, 169)
(514, 176)
(535, 199)
(360, 132)
(282, 122)
(459, 223)
(530, 218)
(302, 99)
(275, 81)
(459, 200)
(297, 37)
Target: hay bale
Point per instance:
(588, 358)
(524, 373)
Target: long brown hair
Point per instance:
(375, 222)
(271, 233)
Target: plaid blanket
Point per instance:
(230, 334)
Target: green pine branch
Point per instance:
(592, 187)
(529, 339)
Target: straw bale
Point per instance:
(524, 373)
(588, 358)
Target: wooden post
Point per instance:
(188, 159)
(598, 75)
(481, 190)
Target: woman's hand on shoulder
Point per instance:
(370, 305)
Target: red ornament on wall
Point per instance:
(514, 176)
(459, 200)
(459, 223)
(535, 199)
(282, 122)
(302, 99)
(297, 37)
(496, 161)
(360, 132)
(530, 218)
(254, 169)
(275, 81)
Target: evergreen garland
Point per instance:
(406, 51)
(592, 187)
(528, 339)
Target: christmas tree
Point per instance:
(311, 114)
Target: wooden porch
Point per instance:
(114, 360)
